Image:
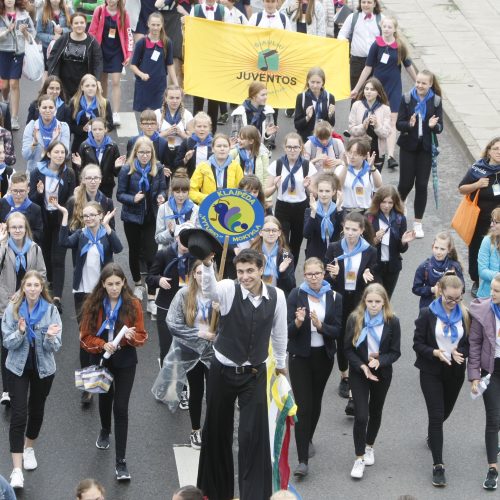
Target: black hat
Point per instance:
(199, 242)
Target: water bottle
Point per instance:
(483, 384)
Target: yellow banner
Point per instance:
(221, 60)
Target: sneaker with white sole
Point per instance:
(116, 119)
(17, 479)
(5, 399)
(184, 402)
(358, 468)
(195, 440)
(121, 470)
(29, 460)
(419, 231)
(152, 308)
(369, 457)
(139, 291)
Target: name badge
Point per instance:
(292, 191)
(359, 190)
(350, 277)
(112, 33)
(385, 58)
(155, 55)
(183, 282)
(496, 189)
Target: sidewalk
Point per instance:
(459, 40)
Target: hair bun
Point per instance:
(181, 173)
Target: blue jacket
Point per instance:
(18, 344)
(128, 187)
(77, 240)
(488, 260)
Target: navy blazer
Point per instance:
(396, 248)
(368, 261)
(107, 164)
(304, 127)
(33, 213)
(111, 244)
(63, 114)
(424, 343)
(316, 247)
(160, 145)
(187, 145)
(389, 349)
(408, 139)
(299, 339)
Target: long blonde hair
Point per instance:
(20, 296)
(191, 301)
(359, 313)
(81, 199)
(143, 141)
(101, 101)
(20, 216)
(310, 11)
(402, 48)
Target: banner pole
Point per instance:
(221, 274)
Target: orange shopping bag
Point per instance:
(465, 219)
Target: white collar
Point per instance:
(245, 293)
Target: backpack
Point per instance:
(305, 168)
(355, 18)
(260, 14)
(407, 99)
(335, 146)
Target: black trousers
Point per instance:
(28, 394)
(482, 228)
(79, 298)
(212, 109)
(291, 217)
(196, 378)
(116, 401)
(440, 393)
(356, 68)
(164, 335)
(216, 469)
(387, 278)
(350, 300)
(53, 254)
(491, 398)
(415, 170)
(309, 377)
(369, 398)
(141, 244)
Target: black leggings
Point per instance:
(53, 253)
(491, 398)
(116, 400)
(350, 300)
(79, 298)
(309, 377)
(369, 398)
(26, 410)
(291, 217)
(164, 335)
(482, 228)
(414, 170)
(440, 393)
(196, 378)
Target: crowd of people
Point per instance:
(323, 191)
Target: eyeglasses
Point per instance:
(149, 124)
(93, 179)
(198, 273)
(454, 300)
(144, 153)
(292, 148)
(271, 231)
(313, 275)
(495, 149)
(17, 228)
(90, 216)
(18, 191)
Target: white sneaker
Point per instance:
(139, 292)
(369, 457)
(116, 119)
(17, 479)
(419, 232)
(195, 440)
(14, 123)
(5, 399)
(358, 468)
(152, 308)
(29, 460)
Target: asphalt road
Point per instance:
(66, 452)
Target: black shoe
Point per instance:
(344, 387)
(58, 304)
(473, 290)
(301, 470)
(122, 473)
(392, 163)
(86, 398)
(103, 440)
(223, 119)
(490, 483)
(438, 478)
(289, 112)
(312, 450)
(349, 409)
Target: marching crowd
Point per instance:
(324, 189)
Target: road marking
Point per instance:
(186, 460)
(128, 127)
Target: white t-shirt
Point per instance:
(299, 194)
(164, 125)
(361, 195)
(91, 271)
(319, 306)
(372, 344)
(384, 249)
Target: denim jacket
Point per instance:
(18, 345)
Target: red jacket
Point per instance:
(125, 33)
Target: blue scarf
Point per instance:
(143, 172)
(179, 216)
(255, 116)
(110, 316)
(325, 288)
(20, 254)
(482, 168)
(182, 261)
(361, 246)
(437, 268)
(33, 317)
(21, 208)
(86, 109)
(219, 169)
(370, 110)
(290, 178)
(59, 102)
(199, 142)
(316, 142)
(369, 328)
(173, 120)
(358, 177)
(321, 102)
(46, 131)
(421, 107)
(99, 148)
(151, 137)
(43, 168)
(248, 160)
(271, 268)
(327, 227)
(392, 222)
(101, 233)
(448, 321)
